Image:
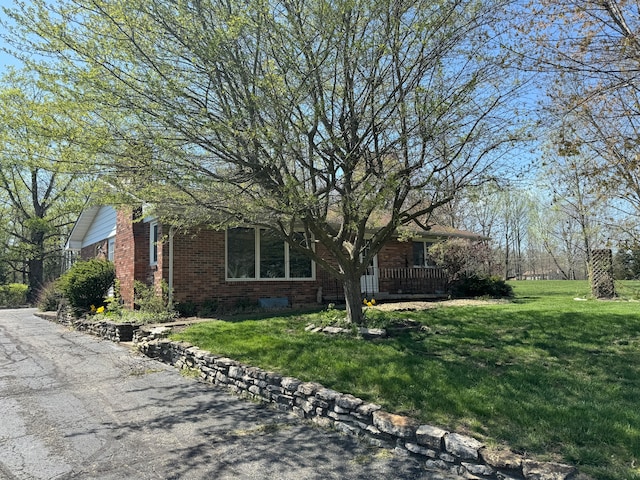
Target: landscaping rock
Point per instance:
(372, 332)
(431, 436)
(419, 450)
(462, 446)
(397, 425)
(533, 470)
(501, 458)
(348, 401)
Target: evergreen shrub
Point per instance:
(13, 294)
(471, 286)
(86, 283)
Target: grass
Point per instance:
(545, 374)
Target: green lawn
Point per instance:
(544, 374)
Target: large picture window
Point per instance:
(260, 254)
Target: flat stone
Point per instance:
(289, 383)
(474, 469)
(235, 372)
(430, 436)
(437, 465)
(397, 425)
(345, 428)
(226, 362)
(309, 388)
(368, 408)
(501, 458)
(348, 401)
(158, 331)
(372, 332)
(420, 450)
(327, 394)
(334, 330)
(447, 457)
(462, 446)
(534, 470)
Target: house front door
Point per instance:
(369, 281)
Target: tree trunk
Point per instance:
(36, 278)
(36, 265)
(353, 298)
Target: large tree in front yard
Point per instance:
(40, 185)
(313, 116)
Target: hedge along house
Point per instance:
(241, 266)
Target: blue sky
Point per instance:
(5, 59)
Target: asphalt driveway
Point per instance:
(76, 407)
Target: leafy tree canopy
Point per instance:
(289, 114)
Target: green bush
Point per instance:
(186, 309)
(154, 306)
(86, 283)
(209, 308)
(481, 286)
(13, 294)
(49, 297)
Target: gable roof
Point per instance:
(95, 223)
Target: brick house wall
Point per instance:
(393, 255)
(131, 258)
(199, 268)
(199, 274)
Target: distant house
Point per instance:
(241, 265)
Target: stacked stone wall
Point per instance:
(438, 448)
(113, 331)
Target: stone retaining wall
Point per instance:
(114, 331)
(439, 449)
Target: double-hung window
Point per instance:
(259, 254)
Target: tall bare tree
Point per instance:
(591, 52)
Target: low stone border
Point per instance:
(440, 449)
(114, 331)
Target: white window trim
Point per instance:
(257, 278)
(152, 243)
(111, 248)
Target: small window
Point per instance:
(418, 254)
(111, 249)
(153, 243)
(421, 257)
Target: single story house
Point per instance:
(244, 265)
